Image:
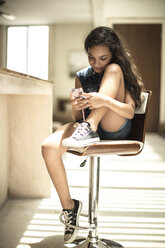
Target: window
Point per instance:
(27, 50)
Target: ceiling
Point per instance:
(47, 11)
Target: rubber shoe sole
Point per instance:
(81, 143)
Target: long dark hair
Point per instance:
(107, 36)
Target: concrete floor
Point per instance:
(132, 203)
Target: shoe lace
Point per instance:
(68, 219)
(81, 130)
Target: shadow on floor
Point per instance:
(50, 242)
(57, 241)
(53, 242)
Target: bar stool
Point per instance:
(130, 147)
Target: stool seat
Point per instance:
(111, 147)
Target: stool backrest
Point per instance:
(139, 120)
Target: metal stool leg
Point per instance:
(93, 240)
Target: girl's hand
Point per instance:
(75, 102)
(92, 100)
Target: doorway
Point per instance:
(144, 43)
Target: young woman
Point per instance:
(111, 91)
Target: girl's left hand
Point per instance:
(92, 100)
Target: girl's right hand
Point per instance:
(75, 102)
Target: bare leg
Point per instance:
(96, 116)
(109, 120)
(52, 151)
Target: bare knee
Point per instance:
(50, 149)
(45, 148)
(52, 145)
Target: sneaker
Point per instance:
(71, 217)
(82, 136)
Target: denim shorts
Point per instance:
(121, 134)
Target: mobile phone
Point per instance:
(76, 92)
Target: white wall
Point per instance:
(65, 38)
(134, 8)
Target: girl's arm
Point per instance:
(96, 100)
(108, 91)
(126, 109)
(76, 110)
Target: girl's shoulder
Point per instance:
(85, 72)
